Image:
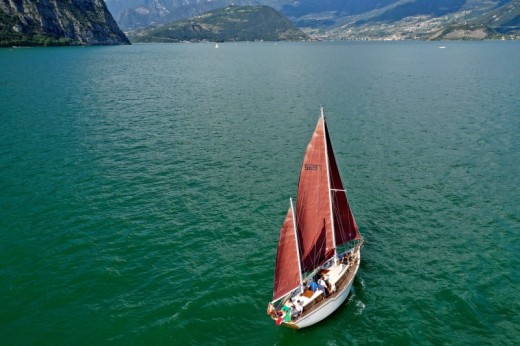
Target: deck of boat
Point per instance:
(341, 284)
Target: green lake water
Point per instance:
(143, 188)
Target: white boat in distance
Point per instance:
(312, 276)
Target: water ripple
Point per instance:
(143, 188)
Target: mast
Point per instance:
(328, 184)
(297, 242)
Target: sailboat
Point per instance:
(319, 247)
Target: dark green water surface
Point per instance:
(142, 189)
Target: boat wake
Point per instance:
(185, 306)
(360, 306)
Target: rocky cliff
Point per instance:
(58, 22)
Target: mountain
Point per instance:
(344, 19)
(232, 23)
(423, 19)
(135, 14)
(502, 21)
(53, 22)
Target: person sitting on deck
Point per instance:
(287, 309)
(284, 315)
(313, 286)
(299, 307)
(294, 311)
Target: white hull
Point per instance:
(329, 306)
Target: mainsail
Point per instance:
(287, 275)
(319, 231)
(313, 209)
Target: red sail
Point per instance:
(313, 204)
(287, 271)
(345, 225)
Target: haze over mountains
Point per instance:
(347, 19)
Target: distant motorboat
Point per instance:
(442, 47)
